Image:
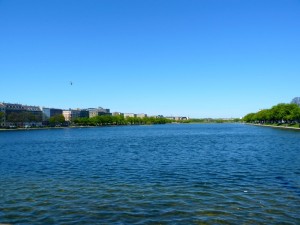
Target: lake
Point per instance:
(160, 174)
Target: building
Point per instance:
(98, 112)
(141, 115)
(84, 113)
(50, 112)
(35, 112)
(2, 115)
(117, 114)
(177, 118)
(22, 115)
(296, 100)
(129, 115)
(181, 118)
(170, 118)
(67, 114)
(71, 114)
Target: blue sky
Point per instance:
(197, 58)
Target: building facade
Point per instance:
(117, 114)
(296, 100)
(71, 114)
(50, 112)
(141, 115)
(177, 118)
(22, 115)
(129, 115)
(98, 112)
(2, 115)
(84, 113)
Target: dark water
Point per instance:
(168, 174)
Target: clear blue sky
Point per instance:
(197, 58)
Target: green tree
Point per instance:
(2, 116)
(249, 118)
(280, 113)
(58, 119)
(263, 116)
(295, 113)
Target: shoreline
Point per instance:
(46, 128)
(273, 126)
(74, 127)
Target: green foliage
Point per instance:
(280, 113)
(209, 120)
(1, 115)
(118, 120)
(58, 119)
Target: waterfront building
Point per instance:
(50, 112)
(71, 114)
(84, 113)
(98, 112)
(35, 112)
(177, 118)
(117, 114)
(92, 112)
(22, 115)
(129, 115)
(2, 115)
(141, 115)
(296, 100)
(170, 118)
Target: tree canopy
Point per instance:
(280, 113)
(118, 120)
(58, 119)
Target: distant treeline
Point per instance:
(278, 114)
(210, 120)
(118, 120)
(20, 118)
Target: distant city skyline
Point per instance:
(218, 59)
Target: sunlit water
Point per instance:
(164, 174)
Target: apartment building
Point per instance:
(98, 112)
(22, 115)
(71, 114)
(50, 112)
(141, 115)
(117, 114)
(2, 115)
(129, 115)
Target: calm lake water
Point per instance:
(164, 174)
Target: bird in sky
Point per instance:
(71, 82)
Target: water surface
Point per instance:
(164, 174)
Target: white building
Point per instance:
(71, 114)
(129, 115)
(141, 115)
(177, 118)
(118, 114)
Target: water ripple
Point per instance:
(173, 174)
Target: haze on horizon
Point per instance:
(209, 58)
